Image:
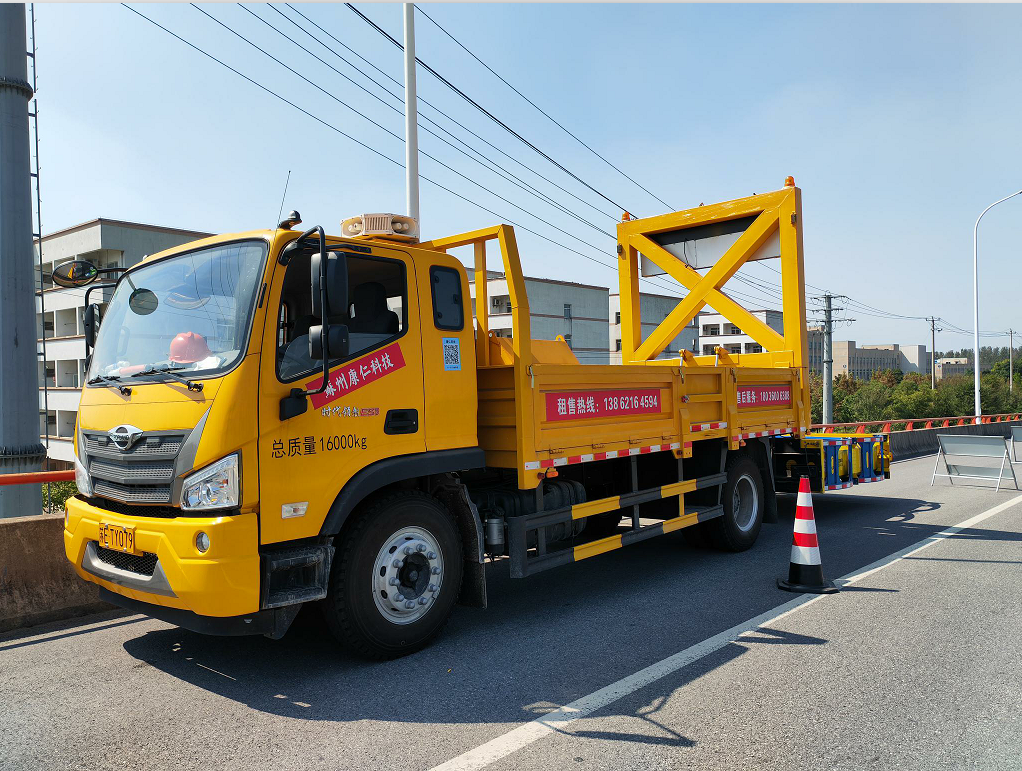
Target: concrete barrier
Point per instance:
(923, 441)
(37, 584)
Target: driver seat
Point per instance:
(372, 316)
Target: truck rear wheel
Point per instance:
(397, 577)
(744, 504)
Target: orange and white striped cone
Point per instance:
(805, 573)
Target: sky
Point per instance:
(900, 123)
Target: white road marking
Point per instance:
(524, 735)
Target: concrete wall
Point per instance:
(37, 584)
(911, 444)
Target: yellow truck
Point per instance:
(276, 418)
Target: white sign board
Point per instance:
(702, 246)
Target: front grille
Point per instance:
(131, 493)
(143, 565)
(126, 473)
(148, 447)
(142, 474)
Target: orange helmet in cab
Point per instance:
(188, 348)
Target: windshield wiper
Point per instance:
(169, 372)
(110, 381)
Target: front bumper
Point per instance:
(223, 582)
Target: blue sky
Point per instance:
(899, 123)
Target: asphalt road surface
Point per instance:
(659, 655)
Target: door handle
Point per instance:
(401, 422)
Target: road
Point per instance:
(915, 664)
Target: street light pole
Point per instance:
(975, 300)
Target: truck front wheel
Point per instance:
(744, 505)
(397, 579)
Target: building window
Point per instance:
(711, 329)
(708, 350)
(734, 330)
(736, 348)
(567, 311)
(753, 348)
(617, 345)
(617, 317)
(567, 339)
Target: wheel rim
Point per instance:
(745, 503)
(407, 575)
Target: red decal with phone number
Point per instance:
(764, 396)
(579, 405)
(355, 374)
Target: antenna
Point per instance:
(286, 182)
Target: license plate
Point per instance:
(117, 538)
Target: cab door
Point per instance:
(372, 407)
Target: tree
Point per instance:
(870, 402)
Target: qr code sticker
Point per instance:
(452, 353)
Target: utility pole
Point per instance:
(1011, 352)
(828, 353)
(828, 361)
(411, 118)
(933, 353)
(20, 448)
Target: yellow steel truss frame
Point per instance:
(777, 212)
(521, 341)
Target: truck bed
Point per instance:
(542, 415)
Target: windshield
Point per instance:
(189, 313)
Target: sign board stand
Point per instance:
(968, 446)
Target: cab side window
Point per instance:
(448, 311)
(376, 311)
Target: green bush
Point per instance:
(57, 496)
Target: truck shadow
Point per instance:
(550, 639)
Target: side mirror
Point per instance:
(328, 342)
(329, 285)
(74, 274)
(90, 321)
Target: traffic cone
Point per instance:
(805, 573)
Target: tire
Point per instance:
(365, 610)
(744, 504)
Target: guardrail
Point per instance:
(914, 424)
(37, 477)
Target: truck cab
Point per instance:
(211, 451)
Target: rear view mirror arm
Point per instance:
(107, 285)
(296, 403)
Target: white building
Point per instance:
(653, 309)
(576, 311)
(106, 243)
(715, 330)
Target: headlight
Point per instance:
(82, 480)
(215, 487)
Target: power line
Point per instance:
(481, 159)
(391, 133)
(543, 112)
(486, 112)
(428, 104)
(335, 129)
